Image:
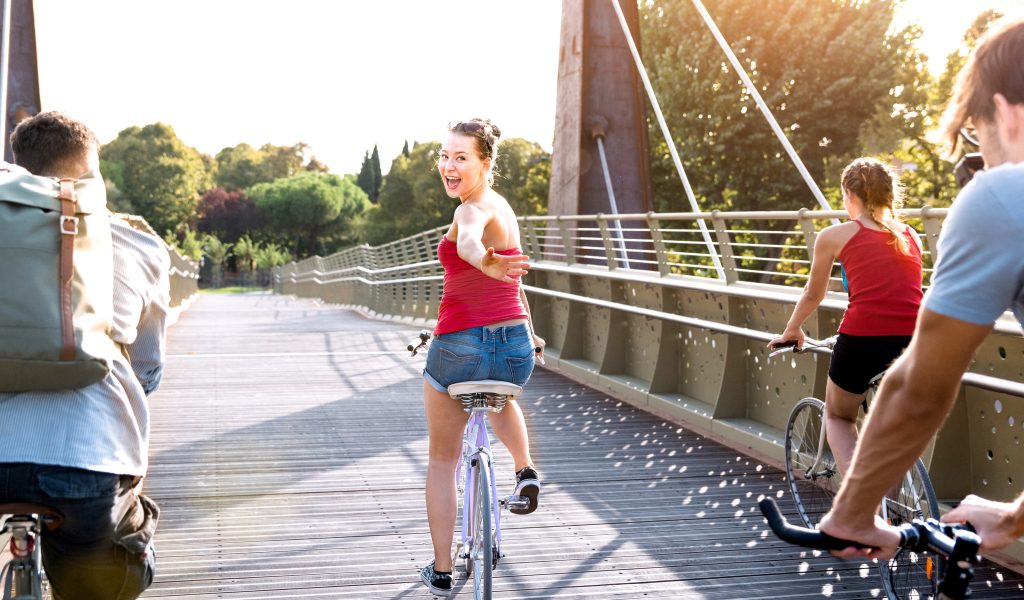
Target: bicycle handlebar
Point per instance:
(958, 543)
(801, 536)
(809, 344)
(415, 347)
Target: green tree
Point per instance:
(411, 200)
(365, 177)
(312, 212)
(217, 253)
(241, 167)
(238, 167)
(822, 66)
(266, 258)
(378, 178)
(157, 174)
(405, 149)
(523, 175)
(244, 251)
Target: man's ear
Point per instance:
(1009, 118)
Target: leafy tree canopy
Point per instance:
(241, 167)
(824, 67)
(411, 200)
(523, 175)
(314, 211)
(228, 215)
(157, 174)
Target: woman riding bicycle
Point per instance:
(484, 331)
(882, 261)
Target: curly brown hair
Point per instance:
(52, 144)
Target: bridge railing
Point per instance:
(634, 304)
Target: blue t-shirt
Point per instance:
(980, 272)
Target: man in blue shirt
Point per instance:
(84, 451)
(979, 275)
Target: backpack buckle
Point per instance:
(69, 225)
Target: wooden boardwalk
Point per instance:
(288, 456)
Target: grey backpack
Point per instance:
(56, 282)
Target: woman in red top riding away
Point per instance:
(484, 331)
(882, 260)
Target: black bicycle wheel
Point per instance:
(481, 553)
(813, 479)
(911, 575)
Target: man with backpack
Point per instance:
(83, 450)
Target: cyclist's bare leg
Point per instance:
(445, 423)
(510, 427)
(841, 410)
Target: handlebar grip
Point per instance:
(785, 344)
(801, 536)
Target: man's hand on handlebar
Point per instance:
(881, 539)
(995, 522)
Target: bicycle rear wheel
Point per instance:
(480, 561)
(810, 467)
(911, 575)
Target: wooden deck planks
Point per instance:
(288, 454)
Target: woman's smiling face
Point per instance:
(462, 170)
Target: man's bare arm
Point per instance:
(912, 403)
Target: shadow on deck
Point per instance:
(289, 452)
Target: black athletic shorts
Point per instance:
(858, 358)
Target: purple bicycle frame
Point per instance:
(477, 444)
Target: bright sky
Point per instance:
(338, 75)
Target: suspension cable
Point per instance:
(763, 106)
(5, 50)
(611, 200)
(668, 139)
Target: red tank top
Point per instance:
(885, 285)
(470, 298)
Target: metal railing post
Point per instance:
(810, 233)
(609, 250)
(660, 254)
(725, 248)
(570, 250)
(932, 225)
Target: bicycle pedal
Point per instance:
(515, 502)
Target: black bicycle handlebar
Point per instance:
(957, 542)
(801, 536)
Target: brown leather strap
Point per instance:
(68, 231)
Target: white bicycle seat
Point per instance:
(484, 386)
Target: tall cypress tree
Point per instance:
(377, 177)
(405, 149)
(365, 179)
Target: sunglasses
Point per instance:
(970, 135)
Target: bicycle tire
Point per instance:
(911, 575)
(812, 493)
(480, 561)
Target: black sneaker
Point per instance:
(528, 486)
(439, 584)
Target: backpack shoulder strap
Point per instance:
(68, 231)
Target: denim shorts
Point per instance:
(504, 353)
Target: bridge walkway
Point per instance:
(288, 455)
